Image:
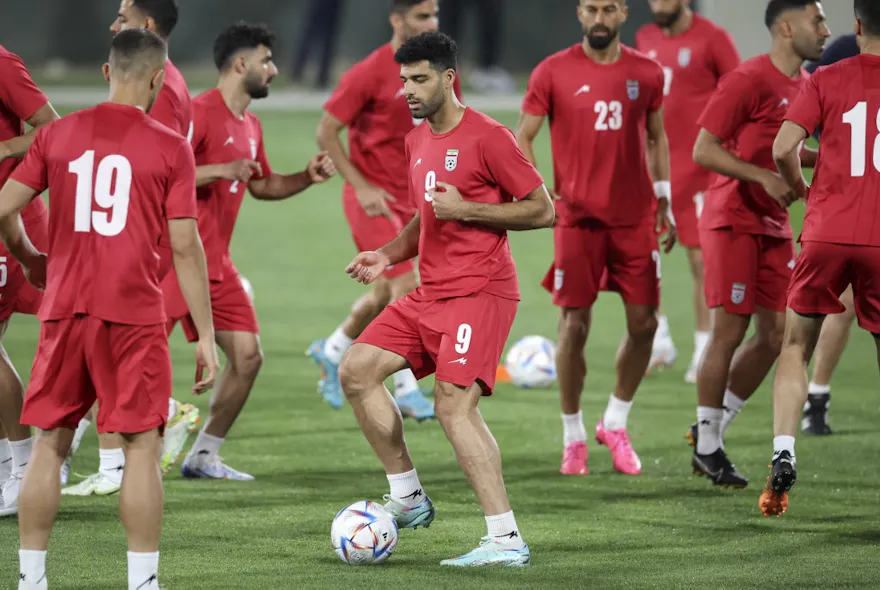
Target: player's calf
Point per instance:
(141, 502)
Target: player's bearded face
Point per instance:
(809, 35)
(261, 70)
(424, 90)
(600, 36)
(667, 14)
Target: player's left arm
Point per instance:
(272, 186)
(18, 146)
(659, 167)
(15, 196)
(786, 154)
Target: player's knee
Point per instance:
(697, 271)
(357, 372)
(141, 442)
(248, 360)
(642, 326)
(451, 402)
(771, 340)
(574, 325)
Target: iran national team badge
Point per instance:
(558, 277)
(632, 89)
(684, 57)
(738, 293)
(451, 160)
(253, 148)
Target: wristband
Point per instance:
(663, 189)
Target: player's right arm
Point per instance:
(802, 119)
(536, 106)
(369, 266)
(26, 101)
(527, 130)
(239, 170)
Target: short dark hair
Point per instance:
(401, 6)
(868, 13)
(238, 36)
(137, 52)
(164, 12)
(438, 49)
(776, 7)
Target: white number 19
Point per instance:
(109, 187)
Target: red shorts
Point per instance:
(823, 272)
(746, 271)
(371, 233)
(16, 294)
(590, 259)
(687, 209)
(460, 339)
(127, 369)
(232, 309)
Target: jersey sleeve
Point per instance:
(806, 110)
(261, 156)
(351, 96)
(507, 165)
(166, 110)
(32, 171)
(538, 100)
(725, 54)
(200, 129)
(17, 89)
(730, 107)
(180, 198)
(658, 81)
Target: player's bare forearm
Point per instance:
(15, 238)
(277, 187)
(710, 153)
(328, 140)
(658, 148)
(17, 147)
(209, 173)
(533, 211)
(809, 157)
(192, 272)
(526, 131)
(786, 153)
(406, 245)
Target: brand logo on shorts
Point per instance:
(462, 361)
(684, 57)
(632, 89)
(451, 160)
(558, 277)
(738, 293)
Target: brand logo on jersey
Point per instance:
(582, 90)
(451, 160)
(558, 277)
(228, 141)
(652, 54)
(738, 293)
(791, 264)
(253, 143)
(684, 57)
(783, 103)
(419, 161)
(417, 122)
(632, 89)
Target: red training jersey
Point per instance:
(481, 159)
(844, 100)
(221, 137)
(20, 99)
(598, 114)
(173, 106)
(693, 64)
(115, 176)
(747, 111)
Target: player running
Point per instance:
(20, 101)
(745, 234)
(603, 99)
(118, 180)
(174, 109)
(695, 53)
(370, 103)
(841, 239)
(231, 158)
(465, 173)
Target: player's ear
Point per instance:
(105, 69)
(396, 20)
(157, 79)
(858, 28)
(450, 78)
(150, 24)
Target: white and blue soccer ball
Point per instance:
(248, 288)
(364, 533)
(531, 363)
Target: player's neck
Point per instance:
(682, 25)
(396, 42)
(869, 45)
(125, 94)
(608, 55)
(236, 99)
(785, 60)
(448, 117)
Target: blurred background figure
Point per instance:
(489, 77)
(318, 36)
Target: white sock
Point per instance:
(32, 570)
(79, 433)
(732, 406)
(503, 529)
(708, 429)
(112, 463)
(816, 389)
(143, 571)
(701, 339)
(406, 488)
(783, 443)
(336, 345)
(662, 328)
(404, 382)
(5, 455)
(573, 428)
(21, 454)
(172, 408)
(206, 446)
(616, 413)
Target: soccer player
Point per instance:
(841, 236)
(174, 109)
(20, 101)
(117, 179)
(603, 99)
(370, 103)
(695, 53)
(745, 233)
(471, 185)
(231, 158)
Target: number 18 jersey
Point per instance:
(115, 177)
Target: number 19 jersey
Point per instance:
(115, 177)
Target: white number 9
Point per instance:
(430, 184)
(463, 339)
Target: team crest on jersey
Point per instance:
(738, 293)
(253, 143)
(451, 160)
(558, 277)
(632, 89)
(684, 57)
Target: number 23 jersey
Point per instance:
(481, 159)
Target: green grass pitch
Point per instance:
(663, 529)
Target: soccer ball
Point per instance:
(364, 533)
(531, 362)
(248, 288)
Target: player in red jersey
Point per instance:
(117, 179)
(231, 158)
(370, 103)
(695, 53)
(20, 101)
(173, 108)
(841, 236)
(745, 233)
(465, 172)
(603, 99)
